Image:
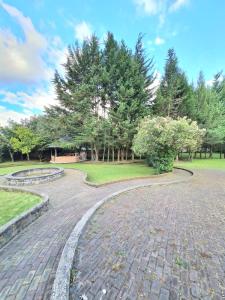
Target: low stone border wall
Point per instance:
(61, 285)
(13, 227)
(19, 178)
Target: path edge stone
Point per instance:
(9, 230)
(61, 284)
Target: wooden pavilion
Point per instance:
(72, 156)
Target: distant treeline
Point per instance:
(104, 93)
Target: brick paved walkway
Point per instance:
(29, 262)
(161, 242)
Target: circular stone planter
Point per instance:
(34, 176)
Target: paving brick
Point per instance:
(165, 243)
(149, 235)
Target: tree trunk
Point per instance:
(211, 152)
(28, 156)
(118, 155)
(40, 156)
(96, 153)
(103, 155)
(122, 154)
(126, 154)
(55, 152)
(177, 157)
(132, 155)
(92, 152)
(200, 153)
(108, 154)
(220, 151)
(113, 154)
(11, 156)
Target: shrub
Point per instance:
(161, 139)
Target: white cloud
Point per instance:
(83, 31)
(7, 114)
(176, 5)
(31, 101)
(57, 56)
(21, 60)
(44, 94)
(150, 7)
(32, 59)
(159, 8)
(159, 41)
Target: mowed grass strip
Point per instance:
(215, 163)
(13, 204)
(108, 172)
(97, 172)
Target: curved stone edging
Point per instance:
(85, 175)
(60, 289)
(92, 184)
(186, 170)
(14, 226)
(15, 180)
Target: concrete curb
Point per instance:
(60, 289)
(17, 224)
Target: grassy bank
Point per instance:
(13, 204)
(217, 164)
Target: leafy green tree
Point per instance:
(210, 112)
(6, 134)
(48, 130)
(161, 139)
(173, 92)
(24, 140)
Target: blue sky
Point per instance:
(34, 36)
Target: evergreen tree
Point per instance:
(209, 112)
(146, 67)
(104, 88)
(173, 91)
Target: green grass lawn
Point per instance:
(14, 203)
(107, 172)
(97, 172)
(215, 163)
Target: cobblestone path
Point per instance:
(28, 263)
(160, 242)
